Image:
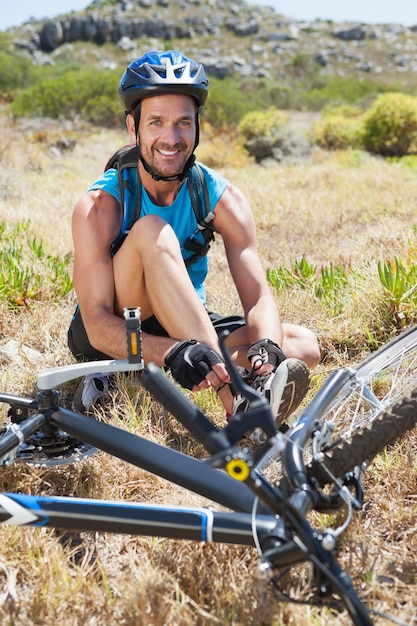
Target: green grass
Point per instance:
(27, 272)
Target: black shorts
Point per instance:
(82, 349)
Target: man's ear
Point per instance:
(130, 124)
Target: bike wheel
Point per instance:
(376, 407)
(365, 444)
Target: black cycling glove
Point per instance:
(267, 351)
(190, 362)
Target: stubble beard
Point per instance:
(153, 158)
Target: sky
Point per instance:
(372, 11)
(19, 11)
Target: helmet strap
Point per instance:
(136, 118)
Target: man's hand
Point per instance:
(265, 352)
(195, 365)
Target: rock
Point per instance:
(20, 354)
(357, 33)
(272, 41)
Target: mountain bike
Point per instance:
(318, 462)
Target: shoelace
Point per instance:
(256, 380)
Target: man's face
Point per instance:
(167, 132)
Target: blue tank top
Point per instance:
(179, 215)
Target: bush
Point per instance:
(261, 131)
(303, 67)
(339, 129)
(390, 125)
(219, 148)
(16, 73)
(262, 124)
(337, 89)
(103, 110)
(229, 101)
(88, 93)
(291, 146)
(266, 134)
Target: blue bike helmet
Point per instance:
(158, 73)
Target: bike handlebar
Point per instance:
(186, 412)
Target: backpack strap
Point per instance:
(198, 191)
(123, 160)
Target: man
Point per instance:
(163, 94)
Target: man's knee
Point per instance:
(151, 232)
(312, 351)
(301, 343)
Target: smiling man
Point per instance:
(152, 267)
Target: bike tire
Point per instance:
(373, 409)
(388, 374)
(374, 387)
(364, 445)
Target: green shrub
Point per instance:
(266, 134)
(261, 131)
(337, 89)
(303, 67)
(339, 128)
(88, 93)
(103, 110)
(283, 97)
(16, 73)
(390, 125)
(262, 123)
(229, 100)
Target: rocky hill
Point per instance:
(229, 36)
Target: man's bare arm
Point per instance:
(235, 223)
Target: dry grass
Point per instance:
(347, 208)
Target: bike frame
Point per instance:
(143, 519)
(261, 512)
(256, 506)
(173, 522)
